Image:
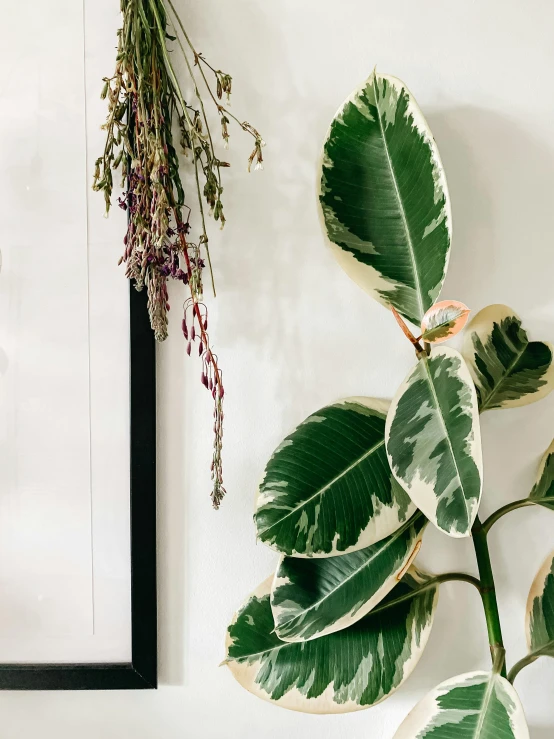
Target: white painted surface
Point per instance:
(64, 408)
(294, 333)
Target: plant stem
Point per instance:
(407, 333)
(488, 593)
(523, 662)
(494, 517)
(437, 580)
(177, 89)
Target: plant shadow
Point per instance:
(541, 733)
(502, 225)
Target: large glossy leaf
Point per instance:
(345, 671)
(328, 488)
(540, 611)
(479, 705)
(433, 441)
(314, 597)
(508, 369)
(384, 199)
(543, 489)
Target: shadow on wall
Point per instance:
(278, 285)
(502, 188)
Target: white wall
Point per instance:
(294, 333)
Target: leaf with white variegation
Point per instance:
(479, 705)
(443, 321)
(543, 489)
(508, 369)
(314, 597)
(540, 611)
(328, 488)
(433, 441)
(384, 198)
(348, 670)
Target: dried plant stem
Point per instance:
(145, 105)
(185, 111)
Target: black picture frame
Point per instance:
(142, 671)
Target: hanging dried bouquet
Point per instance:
(151, 129)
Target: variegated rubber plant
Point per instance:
(346, 497)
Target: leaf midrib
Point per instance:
(400, 201)
(447, 435)
(326, 487)
(356, 572)
(507, 374)
(484, 705)
(285, 644)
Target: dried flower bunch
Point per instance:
(150, 129)
(346, 498)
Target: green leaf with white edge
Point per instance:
(433, 441)
(328, 488)
(543, 489)
(314, 597)
(443, 321)
(478, 705)
(384, 199)
(508, 369)
(345, 671)
(540, 611)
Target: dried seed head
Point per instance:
(140, 140)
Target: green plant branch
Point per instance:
(488, 595)
(499, 662)
(437, 580)
(525, 502)
(524, 662)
